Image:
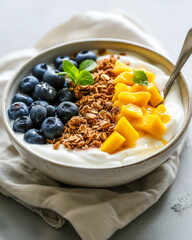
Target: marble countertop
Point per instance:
(22, 24)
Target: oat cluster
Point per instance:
(96, 119)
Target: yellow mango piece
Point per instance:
(150, 109)
(120, 87)
(137, 98)
(131, 111)
(150, 124)
(150, 75)
(127, 131)
(113, 142)
(120, 67)
(125, 77)
(118, 117)
(156, 97)
(118, 103)
(139, 88)
(161, 112)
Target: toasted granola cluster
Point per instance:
(96, 120)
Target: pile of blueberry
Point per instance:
(44, 102)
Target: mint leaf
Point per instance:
(140, 77)
(85, 78)
(88, 65)
(71, 70)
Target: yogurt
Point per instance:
(145, 146)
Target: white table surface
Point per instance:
(22, 24)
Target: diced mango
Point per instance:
(150, 75)
(150, 109)
(131, 111)
(139, 88)
(118, 103)
(150, 124)
(127, 131)
(161, 112)
(120, 87)
(120, 67)
(137, 98)
(125, 77)
(113, 142)
(156, 97)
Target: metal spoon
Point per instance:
(184, 55)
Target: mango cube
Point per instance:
(113, 142)
(131, 111)
(137, 98)
(127, 131)
(156, 97)
(120, 87)
(150, 124)
(161, 112)
(118, 116)
(118, 103)
(120, 67)
(125, 77)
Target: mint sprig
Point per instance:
(81, 76)
(140, 77)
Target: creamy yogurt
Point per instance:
(145, 146)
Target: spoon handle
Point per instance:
(184, 55)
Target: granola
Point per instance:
(96, 120)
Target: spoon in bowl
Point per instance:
(184, 55)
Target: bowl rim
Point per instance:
(168, 146)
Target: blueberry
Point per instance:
(40, 69)
(20, 97)
(72, 61)
(83, 55)
(55, 80)
(22, 124)
(39, 102)
(18, 109)
(58, 61)
(44, 91)
(66, 84)
(52, 127)
(66, 110)
(38, 113)
(65, 94)
(28, 84)
(50, 111)
(34, 136)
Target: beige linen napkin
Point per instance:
(95, 213)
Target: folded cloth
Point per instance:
(111, 209)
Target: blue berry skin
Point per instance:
(28, 84)
(52, 127)
(65, 94)
(38, 114)
(66, 84)
(34, 136)
(44, 91)
(72, 61)
(58, 60)
(83, 55)
(66, 110)
(20, 97)
(42, 103)
(40, 69)
(50, 111)
(22, 124)
(18, 109)
(55, 80)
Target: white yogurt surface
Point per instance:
(145, 146)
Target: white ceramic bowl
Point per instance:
(92, 177)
